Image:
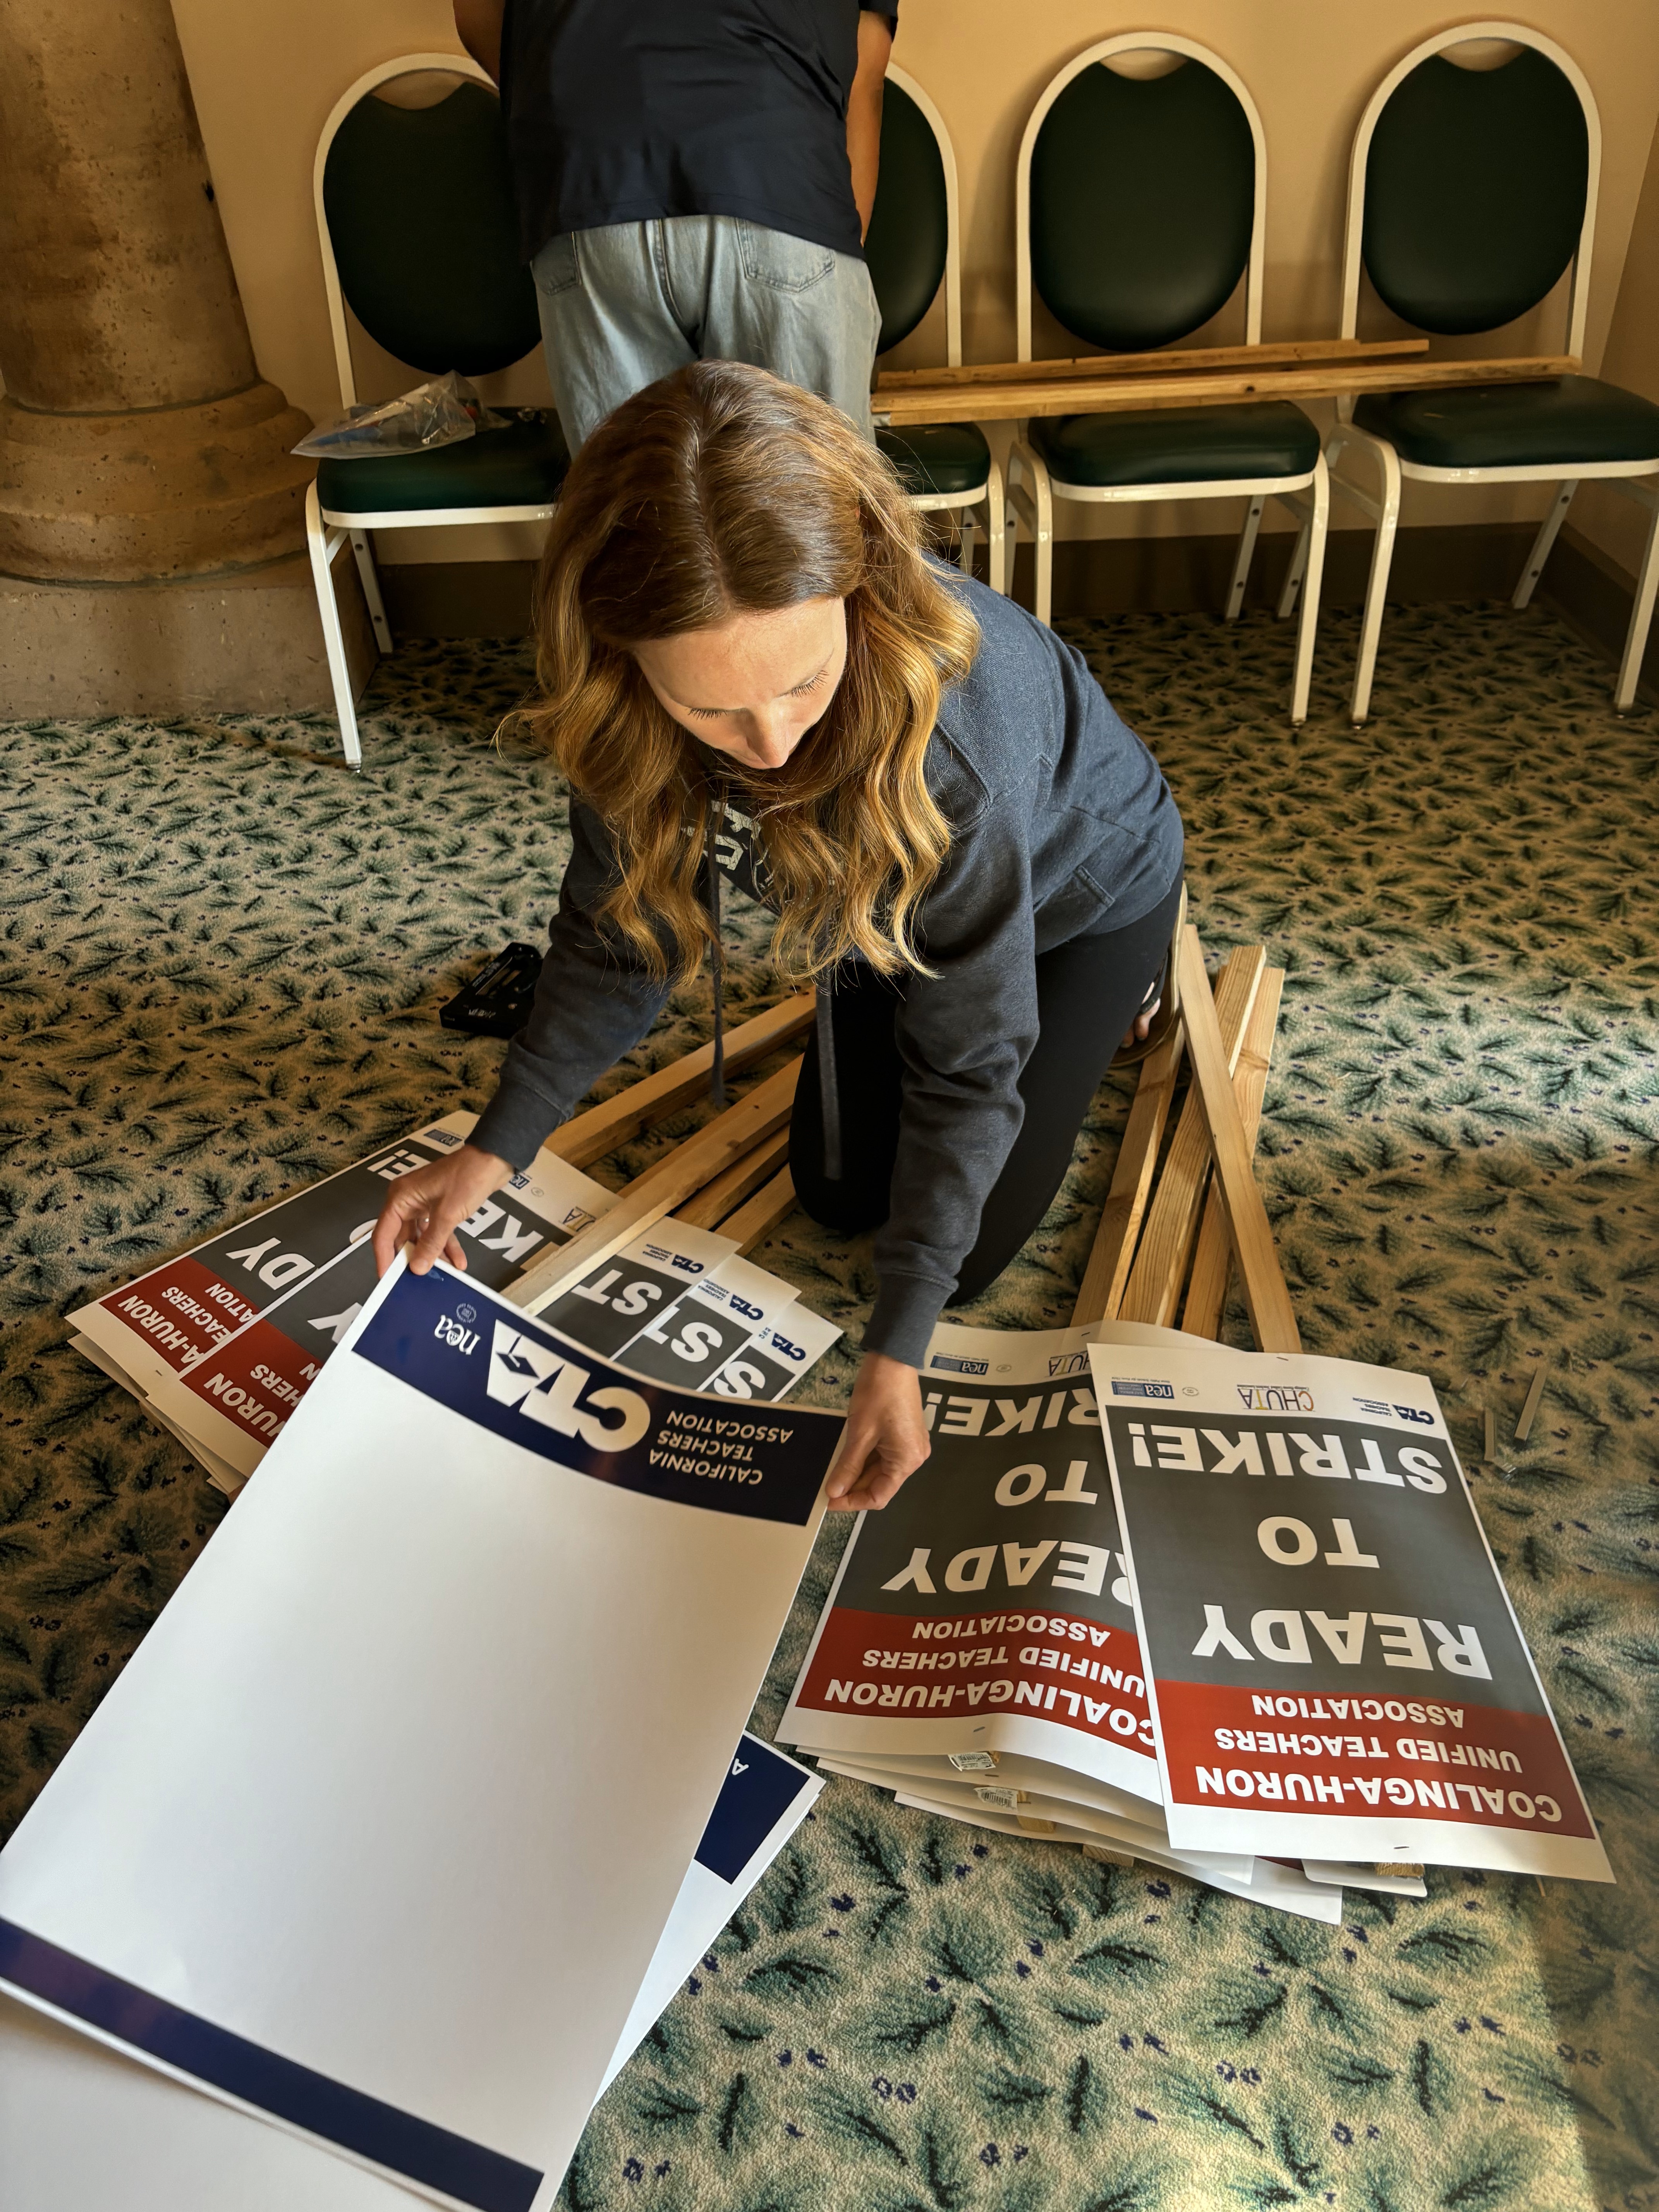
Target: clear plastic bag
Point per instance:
(440, 413)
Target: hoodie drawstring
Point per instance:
(829, 1084)
(716, 823)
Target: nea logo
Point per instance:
(553, 1391)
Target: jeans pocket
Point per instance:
(556, 268)
(786, 264)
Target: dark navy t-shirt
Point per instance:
(622, 111)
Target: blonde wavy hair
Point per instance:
(721, 491)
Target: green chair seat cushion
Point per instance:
(1566, 420)
(522, 465)
(1178, 444)
(938, 457)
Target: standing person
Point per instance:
(750, 668)
(695, 178)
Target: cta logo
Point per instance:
(551, 1389)
(1411, 1413)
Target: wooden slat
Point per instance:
(1266, 1294)
(728, 1137)
(727, 1191)
(1212, 1261)
(1166, 1242)
(1286, 353)
(1098, 395)
(1114, 1248)
(754, 1220)
(588, 1137)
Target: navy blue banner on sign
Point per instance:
(449, 1338)
(432, 2157)
(759, 1788)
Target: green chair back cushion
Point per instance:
(909, 234)
(419, 211)
(1143, 193)
(1474, 191)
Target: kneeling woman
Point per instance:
(751, 670)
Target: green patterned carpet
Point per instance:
(222, 956)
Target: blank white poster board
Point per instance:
(443, 1713)
(82, 2124)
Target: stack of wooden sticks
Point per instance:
(1178, 1217)
(1175, 1218)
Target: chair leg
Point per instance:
(965, 541)
(371, 576)
(1246, 554)
(1384, 511)
(996, 532)
(1641, 613)
(321, 545)
(1033, 503)
(1543, 543)
(1294, 574)
(1313, 538)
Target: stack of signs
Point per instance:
(1335, 1668)
(979, 1654)
(222, 1343)
(185, 1313)
(453, 1698)
(1253, 1631)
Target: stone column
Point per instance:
(138, 444)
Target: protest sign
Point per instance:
(985, 1607)
(82, 2124)
(156, 1327)
(1336, 1670)
(446, 1703)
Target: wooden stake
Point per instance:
(1283, 353)
(1102, 1288)
(727, 1191)
(753, 1222)
(1524, 1426)
(588, 1137)
(1272, 1318)
(1166, 1242)
(1213, 1261)
(661, 1188)
(1091, 394)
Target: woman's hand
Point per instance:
(885, 1439)
(426, 1208)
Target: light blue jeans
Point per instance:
(627, 304)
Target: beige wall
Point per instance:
(266, 75)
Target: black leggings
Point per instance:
(1089, 992)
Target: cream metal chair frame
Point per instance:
(1367, 472)
(991, 494)
(325, 531)
(1030, 501)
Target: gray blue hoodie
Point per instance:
(1061, 826)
